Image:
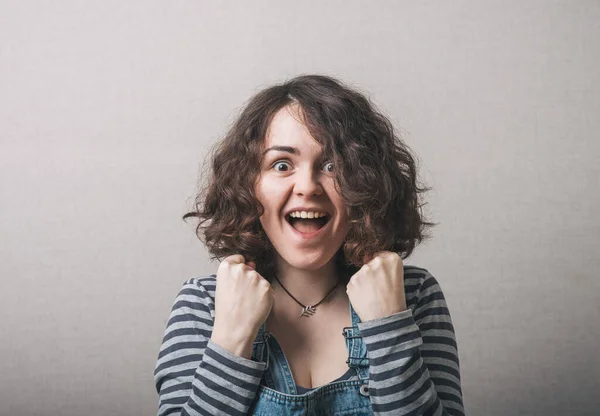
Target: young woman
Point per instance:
(311, 203)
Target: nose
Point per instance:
(308, 183)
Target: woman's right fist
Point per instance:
(243, 301)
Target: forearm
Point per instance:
(194, 375)
(240, 346)
(400, 381)
(222, 384)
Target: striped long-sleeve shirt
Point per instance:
(413, 357)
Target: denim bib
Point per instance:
(277, 394)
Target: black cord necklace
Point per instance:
(307, 311)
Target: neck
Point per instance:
(308, 286)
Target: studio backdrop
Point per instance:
(108, 110)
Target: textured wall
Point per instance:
(106, 111)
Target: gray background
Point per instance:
(106, 112)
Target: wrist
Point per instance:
(237, 345)
(384, 314)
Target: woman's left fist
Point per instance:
(377, 289)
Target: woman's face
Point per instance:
(298, 176)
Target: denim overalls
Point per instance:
(277, 394)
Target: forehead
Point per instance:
(288, 129)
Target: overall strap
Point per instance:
(357, 350)
(277, 375)
(260, 350)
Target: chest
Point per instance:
(316, 350)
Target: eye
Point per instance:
(279, 162)
(332, 167)
(328, 167)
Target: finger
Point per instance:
(381, 254)
(236, 259)
(370, 257)
(251, 264)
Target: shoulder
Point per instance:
(416, 277)
(420, 286)
(197, 295)
(201, 286)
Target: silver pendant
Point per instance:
(308, 311)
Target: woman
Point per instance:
(311, 201)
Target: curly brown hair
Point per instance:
(374, 172)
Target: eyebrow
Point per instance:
(287, 149)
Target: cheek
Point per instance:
(343, 218)
(273, 190)
(344, 226)
(261, 190)
(270, 197)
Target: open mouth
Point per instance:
(308, 225)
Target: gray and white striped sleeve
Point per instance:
(193, 375)
(413, 355)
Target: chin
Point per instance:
(308, 261)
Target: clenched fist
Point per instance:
(377, 289)
(243, 301)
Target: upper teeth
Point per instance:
(305, 214)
